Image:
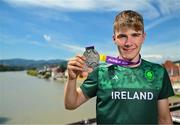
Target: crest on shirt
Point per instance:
(149, 75)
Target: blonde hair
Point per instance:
(128, 19)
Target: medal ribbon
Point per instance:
(117, 61)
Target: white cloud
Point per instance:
(150, 9)
(161, 52)
(11, 40)
(56, 4)
(62, 44)
(47, 37)
(167, 7)
(153, 56)
(67, 47)
(50, 15)
(36, 43)
(81, 4)
(157, 22)
(73, 48)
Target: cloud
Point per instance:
(11, 40)
(46, 14)
(56, 4)
(161, 52)
(167, 7)
(153, 56)
(47, 37)
(157, 22)
(67, 47)
(89, 5)
(36, 43)
(55, 43)
(150, 9)
(81, 4)
(74, 48)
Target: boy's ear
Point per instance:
(144, 36)
(113, 37)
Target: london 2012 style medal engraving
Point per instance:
(92, 57)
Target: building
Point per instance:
(173, 69)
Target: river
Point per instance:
(30, 100)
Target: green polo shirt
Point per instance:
(128, 95)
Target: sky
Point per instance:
(61, 29)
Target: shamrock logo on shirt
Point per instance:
(149, 74)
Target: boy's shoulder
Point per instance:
(152, 65)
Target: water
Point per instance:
(29, 100)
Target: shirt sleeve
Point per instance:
(166, 90)
(89, 86)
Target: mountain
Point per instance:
(26, 63)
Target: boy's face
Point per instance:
(129, 43)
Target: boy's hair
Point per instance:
(128, 19)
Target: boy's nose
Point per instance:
(128, 42)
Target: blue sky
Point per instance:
(60, 29)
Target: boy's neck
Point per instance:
(136, 59)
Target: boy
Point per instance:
(131, 94)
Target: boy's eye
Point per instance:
(135, 34)
(122, 36)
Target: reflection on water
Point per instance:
(26, 100)
(3, 120)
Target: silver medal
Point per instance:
(92, 57)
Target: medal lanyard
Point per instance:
(93, 59)
(117, 61)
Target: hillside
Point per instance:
(177, 61)
(25, 63)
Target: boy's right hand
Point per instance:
(76, 67)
